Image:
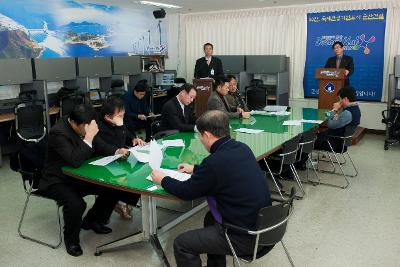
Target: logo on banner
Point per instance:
(330, 88)
(350, 43)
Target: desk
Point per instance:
(11, 116)
(130, 175)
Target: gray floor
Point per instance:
(330, 227)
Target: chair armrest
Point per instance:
(236, 228)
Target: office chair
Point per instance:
(306, 147)
(28, 161)
(338, 145)
(391, 118)
(271, 227)
(30, 121)
(276, 163)
(117, 88)
(68, 102)
(256, 95)
(163, 134)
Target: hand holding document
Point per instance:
(248, 131)
(106, 160)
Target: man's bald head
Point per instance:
(215, 122)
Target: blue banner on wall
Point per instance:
(363, 35)
(69, 28)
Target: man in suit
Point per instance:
(71, 141)
(233, 97)
(208, 66)
(341, 61)
(177, 114)
(235, 187)
(218, 101)
(138, 110)
(113, 131)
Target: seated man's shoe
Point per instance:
(74, 249)
(98, 228)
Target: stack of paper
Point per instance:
(292, 123)
(176, 143)
(142, 157)
(180, 176)
(106, 160)
(259, 112)
(249, 131)
(312, 121)
(280, 113)
(275, 108)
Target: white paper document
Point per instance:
(275, 108)
(312, 121)
(106, 160)
(249, 131)
(176, 143)
(292, 123)
(156, 156)
(180, 176)
(145, 148)
(280, 113)
(259, 112)
(142, 157)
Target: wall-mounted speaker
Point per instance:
(159, 14)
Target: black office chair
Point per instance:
(276, 164)
(30, 121)
(306, 147)
(256, 95)
(155, 127)
(271, 227)
(338, 145)
(28, 161)
(68, 102)
(117, 88)
(391, 118)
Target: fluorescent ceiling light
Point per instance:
(151, 3)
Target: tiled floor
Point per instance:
(358, 226)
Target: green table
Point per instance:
(130, 175)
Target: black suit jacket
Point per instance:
(172, 117)
(202, 70)
(346, 63)
(116, 136)
(65, 147)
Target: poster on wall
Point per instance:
(71, 28)
(363, 35)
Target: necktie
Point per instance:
(338, 60)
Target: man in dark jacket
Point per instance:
(208, 66)
(137, 109)
(177, 114)
(113, 131)
(341, 61)
(346, 112)
(234, 185)
(72, 141)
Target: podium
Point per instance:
(331, 80)
(204, 89)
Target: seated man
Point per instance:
(345, 113)
(137, 110)
(217, 100)
(113, 131)
(235, 188)
(233, 97)
(177, 114)
(71, 141)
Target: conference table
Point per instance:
(131, 176)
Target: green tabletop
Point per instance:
(130, 175)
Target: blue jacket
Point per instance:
(351, 115)
(233, 177)
(135, 106)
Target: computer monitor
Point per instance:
(165, 79)
(94, 95)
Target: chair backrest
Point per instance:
(348, 134)
(68, 103)
(30, 121)
(155, 127)
(29, 162)
(256, 98)
(307, 141)
(289, 151)
(162, 134)
(276, 215)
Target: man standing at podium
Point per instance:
(341, 61)
(208, 66)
